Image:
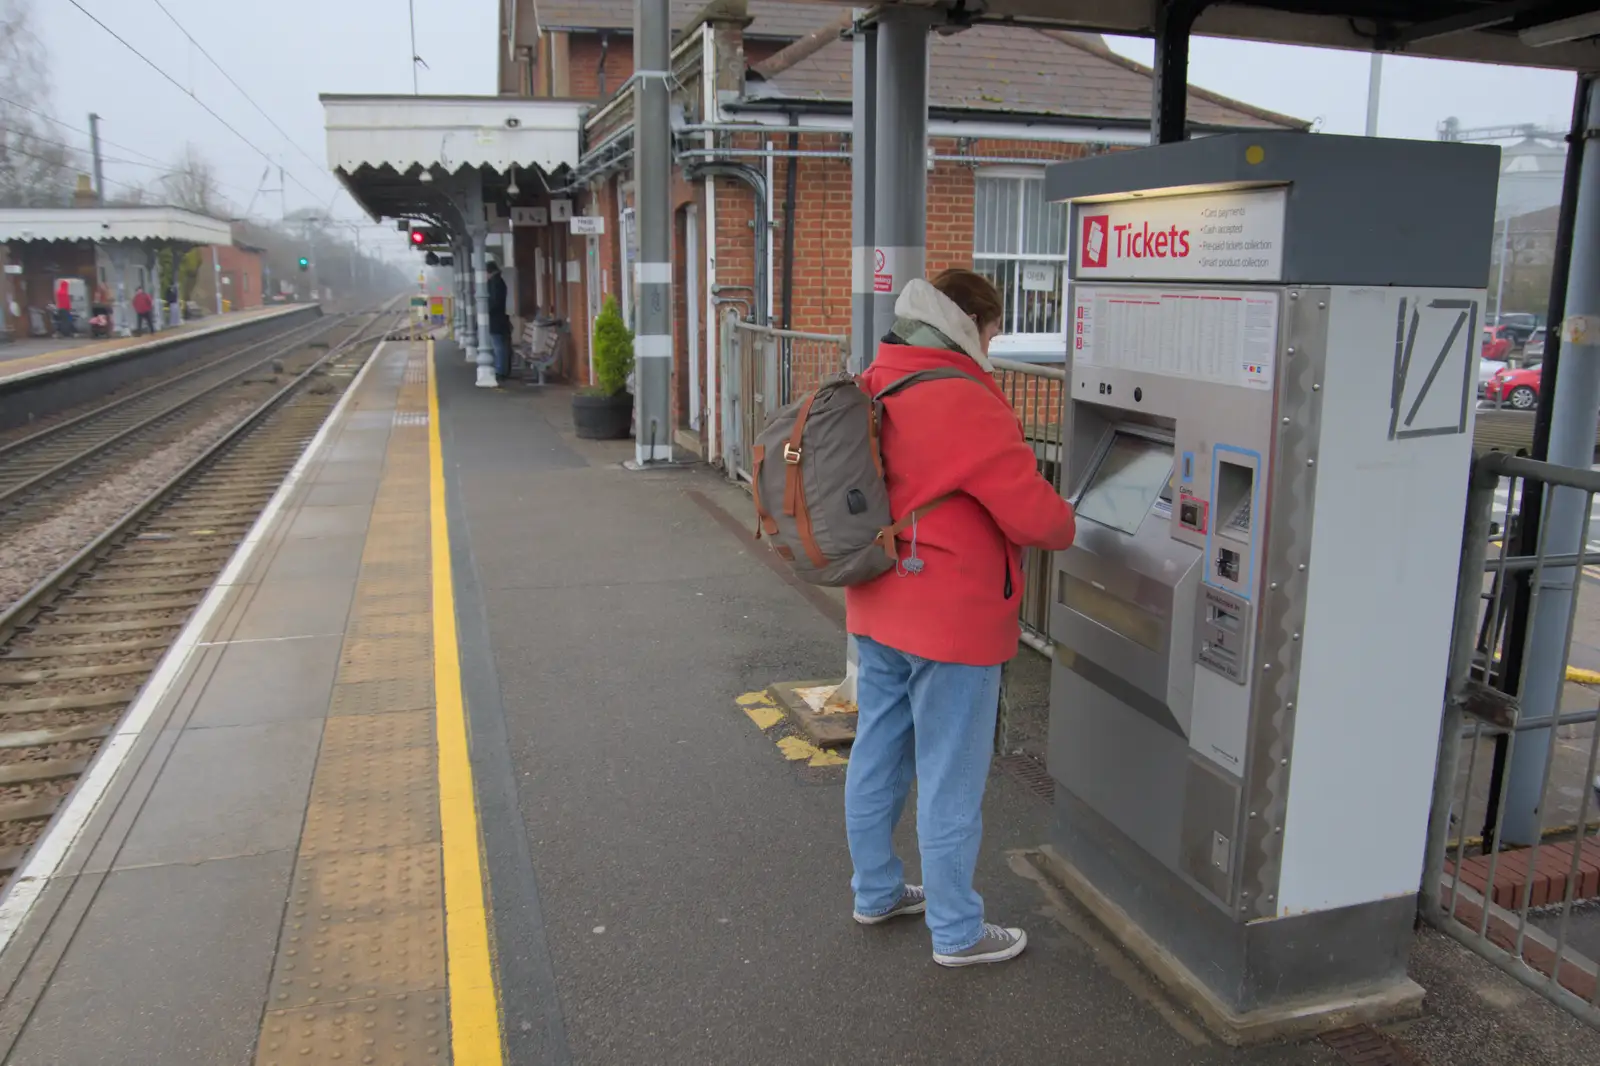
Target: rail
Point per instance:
(1510, 893)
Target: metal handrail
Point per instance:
(1039, 370)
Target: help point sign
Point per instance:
(1232, 236)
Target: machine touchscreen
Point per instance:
(1133, 475)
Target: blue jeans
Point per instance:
(934, 722)
(501, 343)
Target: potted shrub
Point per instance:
(605, 411)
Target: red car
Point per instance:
(1497, 342)
(1517, 389)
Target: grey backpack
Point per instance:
(818, 460)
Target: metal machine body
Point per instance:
(1267, 437)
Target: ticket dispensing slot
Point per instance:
(1124, 592)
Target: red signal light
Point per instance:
(417, 236)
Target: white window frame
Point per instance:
(1013, 343)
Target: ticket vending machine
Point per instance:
(1272, 364)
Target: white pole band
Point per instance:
(652, 273)
(653, 346)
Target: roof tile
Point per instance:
(1007, 69)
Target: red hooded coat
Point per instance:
(954, 436)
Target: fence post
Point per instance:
(1463, 641)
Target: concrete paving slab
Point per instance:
(266, 681)
(340, 520)
(233, 790)
(333, 493)
(169, 967)
(347, 471)
(293, 607)
(336, 558)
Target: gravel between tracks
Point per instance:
(35, 552)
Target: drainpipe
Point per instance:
(600, 73)
(790, 193)
(753, 178)
(708, 104)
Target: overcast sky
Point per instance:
(284, 52)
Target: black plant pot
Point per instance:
(602, 417)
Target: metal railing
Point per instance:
(1512, 892)
(1037, 394)
(764, 364)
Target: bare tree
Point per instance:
(192, 184)
(36, 168)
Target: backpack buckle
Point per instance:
(791, 454)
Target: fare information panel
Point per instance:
(1225, 336)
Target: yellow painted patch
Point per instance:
(1254, 155)
(750, 699)
(796, 748)
(765, 717)
(474, 1009)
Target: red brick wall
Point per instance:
(584, 63)
(822, 264)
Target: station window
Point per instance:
(1019, 242)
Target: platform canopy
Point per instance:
(391, 152)
(1533, 33)
(164, 225)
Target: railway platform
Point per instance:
(36, 357)
(460, 761)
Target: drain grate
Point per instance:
(1362, 1045)
(1032, 773)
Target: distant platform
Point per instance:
(40, 355)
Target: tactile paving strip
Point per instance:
(372, 800)
(381, 697)
(360, 974)
(385, 658)
(327, 959)
(401, 1030)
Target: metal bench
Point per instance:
(537, 349)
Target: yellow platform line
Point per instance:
(475, 1038)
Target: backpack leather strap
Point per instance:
(794, 490)
(793, 454)
(765, 523)
(888, 534)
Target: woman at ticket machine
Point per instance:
(934, 632)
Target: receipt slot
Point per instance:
(1272, 358)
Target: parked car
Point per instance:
(1487, 369)
(1519, 324)
(1496, 343)
(1533, 350)
(1517, 389)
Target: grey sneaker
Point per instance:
(912, 901)
(997, 945)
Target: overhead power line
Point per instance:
(56, 162)
(164, 168)
(79, 130)
(195, 97)
(224, 72)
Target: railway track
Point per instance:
(76, 648)
(37, 470)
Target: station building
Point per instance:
(762, 173)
